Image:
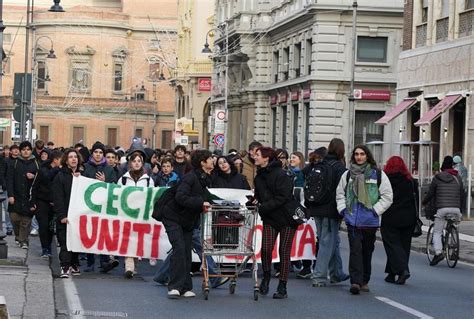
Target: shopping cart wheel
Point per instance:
(255, 295)
(206, 294)
(232, 287)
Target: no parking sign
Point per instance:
(219, 139)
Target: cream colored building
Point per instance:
(106, 81)
(193, 78)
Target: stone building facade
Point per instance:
(110, 80)
(436, 72)
(289, 70)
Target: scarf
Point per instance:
(135, 175)
(357, 188)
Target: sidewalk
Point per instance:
(26, 282)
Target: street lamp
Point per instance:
(56, 7)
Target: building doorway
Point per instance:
(205, 125)
(458, 114)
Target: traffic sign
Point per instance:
(17, 113)
(219, 140)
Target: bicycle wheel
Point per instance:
(429, 244)
(452, 246)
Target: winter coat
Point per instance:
(463, 174)
(117, 173)
(191, 194)
(328, 209)
(19, 186)
(447, 190)
(232, 180)
(91, 169)
(298, 176)
(163, 180)
(61, 189)
(361, 216)
(143, 181)
(42, 187)
(249, 170)
(3, 172)
(273, 190)
(403, 211)
(182, 168)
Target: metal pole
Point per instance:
(2, 28)
(351, 92)
(34, 83)
(24, 102)
(469, 192)
(155, 107)
(226, 88)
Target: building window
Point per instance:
(44, 132)
(284, 119)
(140, 96)
(295, 127)
(166, 139)
(139, 132)
(112, 133)
(154, 70)
(365, 129)
(81, 76)
(154, 44)
(469, 4)
(371, 49)
(274, 126)
(41, 76)
(78, 135)
(306, 127)
(118, 77)
(424, 11)
(308, 55)
(276, 66)
(297, 59)
(285, 66)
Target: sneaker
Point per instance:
(34, 232)
(319, 284)
(305, 273)
(173, 294)
(128, 274)
(109, 266)
(65, 272)
(365, 288)
(188, 294)
(437, 259)
(17, 243)
(390, 278)
(44, 253)
(24, 246)
(220, 282)
(355, 289)
(152, 262)
(335, 280)
(75, 270)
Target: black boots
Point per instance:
(281, 291)
(264, 285)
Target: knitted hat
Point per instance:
(457, 159)
(25, 144)
(98, 145)
(447, 163)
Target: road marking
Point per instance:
(464, 237)
(411, 311)
(72, 298)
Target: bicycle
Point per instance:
(450, 241)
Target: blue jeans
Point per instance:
(163, 274)
(34, 223)
(329, 258)
(8, 223)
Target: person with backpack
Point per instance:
(322, 178)
(180, 216)
(273, 191)
(71, 167)
(363, 194)
(136, 176)
(448, 192)
(20, 179)
(398, 222)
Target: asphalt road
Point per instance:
(431, 292)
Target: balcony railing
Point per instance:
(442, 27)
(466, 21)
(421, 32)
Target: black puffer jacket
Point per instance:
(233, 180)
(191, 194)
(402, 213)
(61, 188)
(328, 209)
(273, 190)
(19, 186)
(42, 187)
(447, 190)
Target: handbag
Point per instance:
(417, 231)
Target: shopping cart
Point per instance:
(228, 231)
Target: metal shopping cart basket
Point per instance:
(227, 230)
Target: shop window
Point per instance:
(274, 126)
(365, 128)
(372, 49)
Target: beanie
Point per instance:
(98, 145)
(447, 163)
(457, 159)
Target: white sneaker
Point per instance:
(188, 294)
(34, 232)
(173, 294)
(152, 262)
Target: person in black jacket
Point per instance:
(399, 220)
(181, 165)
(181, 217)
(447, 190)
(327, 218)
(20, 178)
(273, 190)
(43, 199)
(225, 175)
(71, 166)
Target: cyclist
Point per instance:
(447, 190)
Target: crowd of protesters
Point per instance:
(36, 187)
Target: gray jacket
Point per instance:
(447, 190)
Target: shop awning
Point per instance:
(444, 105)
(396, 111)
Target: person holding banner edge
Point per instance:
(71, 166)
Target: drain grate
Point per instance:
(108, 314)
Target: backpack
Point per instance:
(124, 181)
(318, 183)
(165, 198)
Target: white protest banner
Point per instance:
(116, 220)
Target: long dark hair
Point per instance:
(370, 157)
(336, 147)
(233, 168)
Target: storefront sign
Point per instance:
(374, 95)
(306, 94)
(204, 84)
(283, 98)
(295, 95)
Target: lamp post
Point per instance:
(351, 93)
(24, 102)
(155, 106)
(207, 50)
